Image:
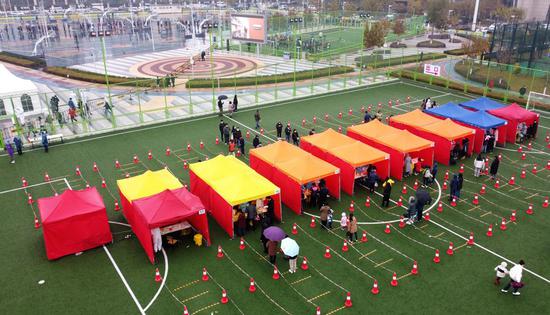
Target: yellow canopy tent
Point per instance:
(147, 184)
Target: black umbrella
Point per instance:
(422, 196)
(222, 97)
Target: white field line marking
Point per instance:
(30, 186)
(182, 120)
(253, 130)
(416, 101)
(67, 183)
(140, 308)
(165, 270)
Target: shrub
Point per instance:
(455, 52)
(23, 61)
(398, 45)
(397, 60)
(431, 44)
(268, 79)
(93, 77)
(439, 36)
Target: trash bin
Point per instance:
(198, 239)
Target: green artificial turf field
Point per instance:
(462, 283)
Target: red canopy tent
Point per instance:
(348, 154)
(163, 210)
(444, 133)
(394, 141)
(515, 115)
(74, 221)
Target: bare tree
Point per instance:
(398, 28)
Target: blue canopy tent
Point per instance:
(482, 104)
(481, 121)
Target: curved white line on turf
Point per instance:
(165, 271)
(533, 151)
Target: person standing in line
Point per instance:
(324, 215)
(235, 102)
(231, 147)
(292, 263)
(460, 183)
(18, 144)
(493, 170)
(45, 142)
(411, 210)
(386, 194)
(241, 146)
(256, 141)
(295, 137)
(454, 187)
(226, 134)
(434, 171)
(367, 117)
(479, 164)
(501, 272)
(279, 128)
(288, 132)
(272, 249)
(516, 274)
(220, 107)
(352, 228)
(408, 165)
(257, 119)
(9, 149)
(251, 216)
(221, 125)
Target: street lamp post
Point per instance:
(148, 22)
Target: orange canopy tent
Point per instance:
(350, 155)
(290, 167)
(444, 133)
(394, 141)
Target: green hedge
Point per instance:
(23, 61)
(370, 62)
(455, 52)
(459, 86)
(269, 79)
(431, 44)
(93, 77)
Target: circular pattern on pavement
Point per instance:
(220, 66)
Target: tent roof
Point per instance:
(416, 118)
(14, 85)
(397, 139)
(148, 184)
(479, 119)
(168, 207)
(235, 181)
(296, 163)
(348, 149)
(448, 129)
(482, 103)
(514, 112)
(70, 203)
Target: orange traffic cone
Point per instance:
(436, 257)
(503, 226)
(367, 202)
(314, 119)
(261, 131)
(444, 185)
(490, 231)
(87, 185)
(523, 174)
(461, 170)
(387, 230)
(497, 184)
(520, 149)
(513, 216)
(404, 190)
(46, 177)
(30, 201)
(375, 289)
(149, 155)
(327, 253)
(427, 216)
(252, 287)
(201, 145)
(351, 207)
(440, 207)
(77, 171)
(117, 164)
(127, 175)
(312, 223)
(247, 134)
(294, 229)
(475, 201)
(185, 165)
(241, 245)
(275, 273)
(348, 302)
(545, 202)
(483, 188)
(512, 180)
(24, 182)
(303, 122)
(117, 206)
(326, 117)
(188, 147)
(350, 111)
(168, 150)
(450, 250)
(415, 186)
(318, 311)
(529, 146)
(548, 164)
(534, 170)
(394, 280)
(36, 223)
(204, 274)
(224, 299)
(304, 265)
(220, 252)
(217, 141)
(399, 201)
(238, 153)
(446, 177)
(414, 270)
(529, 209)
(471, 239)
(364, 237)
(103, 183)
(345, 247)
(402, 222)
(185, 311)
(136, 159)
(453, 202)
(523, 156)
(158, 278)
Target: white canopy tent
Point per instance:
(18, 96)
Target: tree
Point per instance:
(437, 14)
(398, 28)
(373, 35)
(375, 5)
(416, 6)
(475, 46)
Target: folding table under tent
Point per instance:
(514, 115)
(73, 221)
(394, 141)
(482, 104)
(444, 133)
(348, 154)
(225, 181)
(290, 167)
(170, 210)
(480, 121)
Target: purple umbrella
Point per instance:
(274, 233)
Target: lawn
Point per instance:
(461, 283)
